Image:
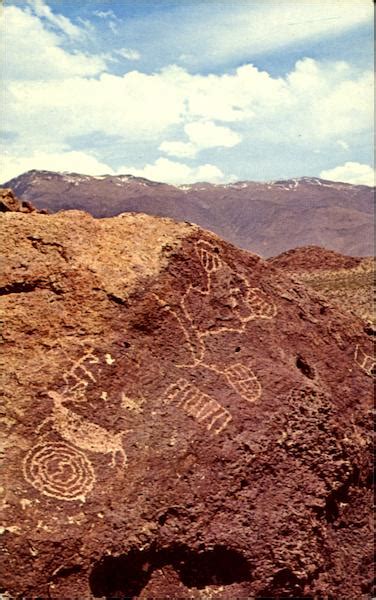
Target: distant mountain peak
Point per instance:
(266, 218)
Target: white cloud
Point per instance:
(34, 53)
(105, 14)
(55, 95)
(351, 172)
(208, 135)
(242, 29)
(77, 162)
(59, 21)
(169, 171)
(128, 53)
(179, 149)
(202, 135)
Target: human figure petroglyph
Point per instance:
(366, 362)
(82, 433)
(59, 470)
(198, 405)
(221, 300)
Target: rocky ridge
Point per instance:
(266, 218)
(182, 418)
(345, 280)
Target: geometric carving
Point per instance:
(244, 382)
(198, 405)
(59, 470)
(366, 362)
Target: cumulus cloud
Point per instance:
(202, 135)
(54, 95)
(209, 135)
(166, 170)
(351, 172)
(179, 149)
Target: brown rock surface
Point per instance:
(183, 419)
(10, 203)
(347, 281)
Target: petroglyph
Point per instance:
(80, 374)
(130, 404)
(208, 255)
(244, 382)
(198, 405)
(236, 303)
(82, 433)
(366, 362)
(59, 470)
(261, 306)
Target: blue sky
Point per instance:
(189, 90)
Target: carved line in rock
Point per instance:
(242, 379)
(257, 304)
(74, 429)
(198, 405)
(366, 362)
(78, 377)
(59, 470)
(82, 433)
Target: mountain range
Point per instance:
(266, 218)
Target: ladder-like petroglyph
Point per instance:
(59, 470)
(82, 433)
(365, 361)
(198, 405)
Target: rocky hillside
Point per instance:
(266, 218)
(345, 280)
(182, 419)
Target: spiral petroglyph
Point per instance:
(59, 470)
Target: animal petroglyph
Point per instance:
(198, 405)
(82, 433)
(366, 362)
(220, 301)
(59, 470)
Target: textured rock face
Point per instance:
(182, 419)
(347, 281)
(9, 203)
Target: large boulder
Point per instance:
(183, 419)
